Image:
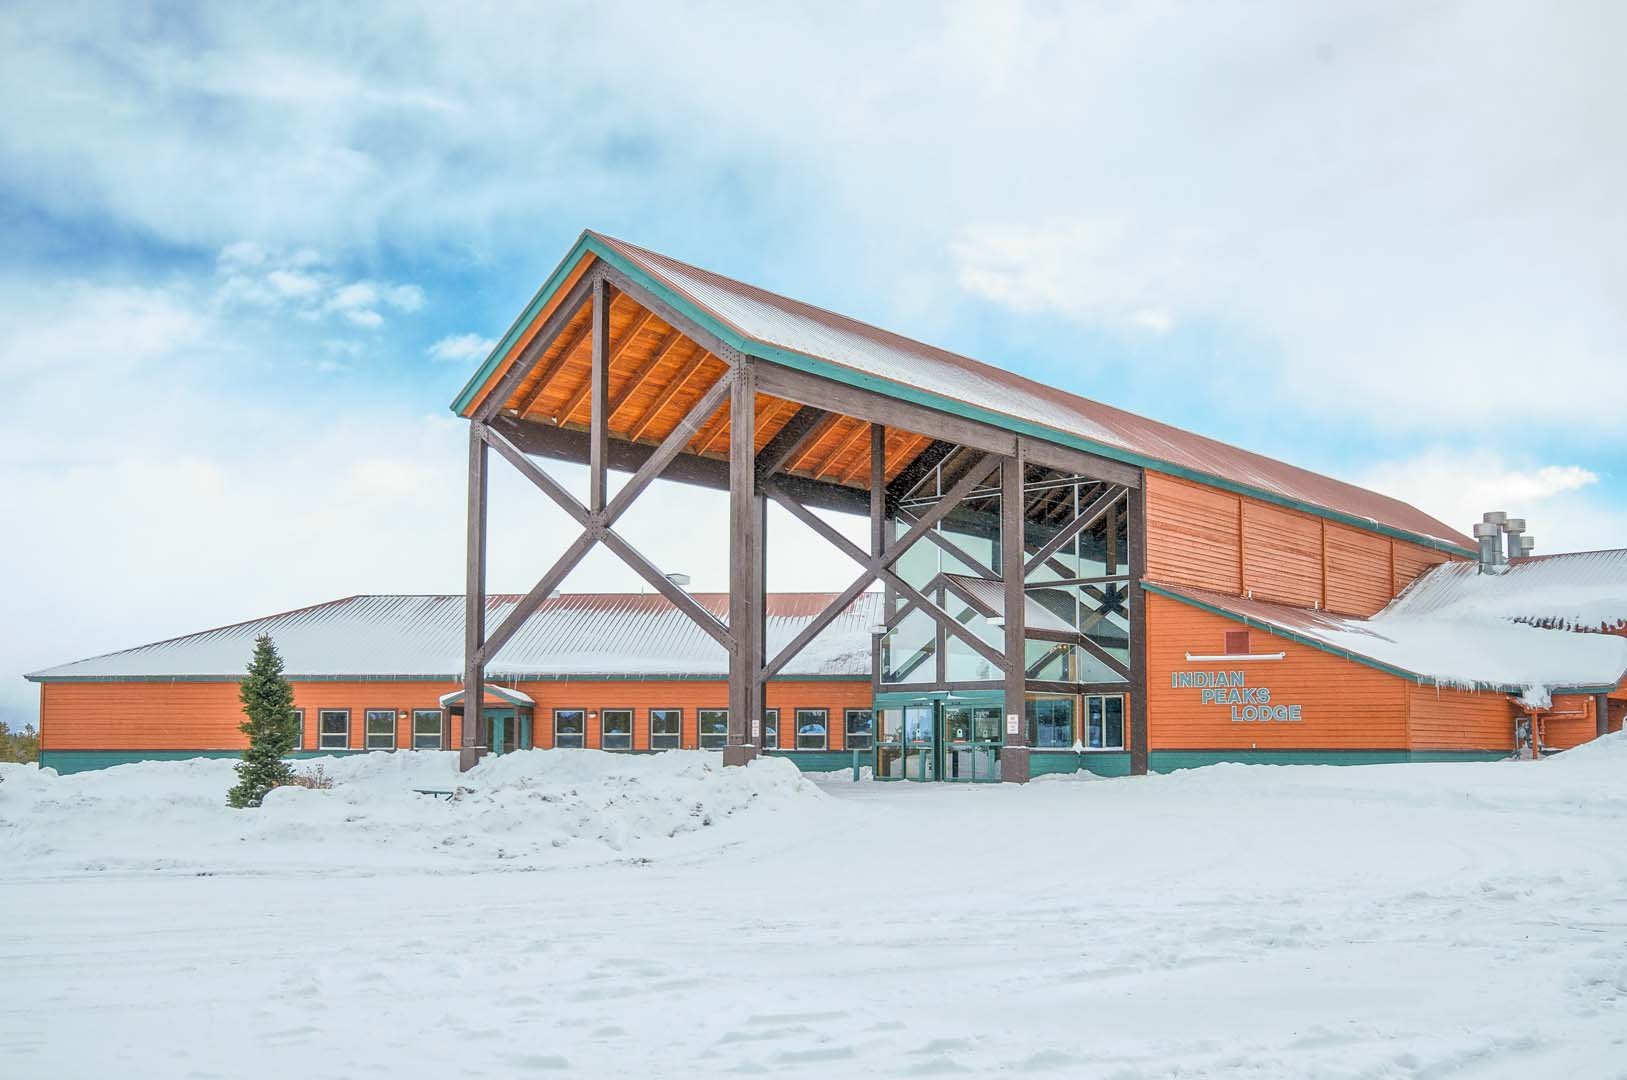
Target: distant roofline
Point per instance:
(601, 246)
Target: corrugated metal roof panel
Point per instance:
(781, 322)
(610, 634)
(1584, 590)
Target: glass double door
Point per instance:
(940, 740)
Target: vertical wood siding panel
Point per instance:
(1359, 576)
(1561, 732)
(1282, 555)
(1192, 535)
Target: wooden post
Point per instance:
(747, 514)
(1136, 530)
(1014, 753)
(878, 546)
(1601, 719)
(599, 410)
(474, 610)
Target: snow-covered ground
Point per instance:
(579, 914)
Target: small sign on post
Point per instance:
(1014, 723)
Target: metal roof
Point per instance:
(1584, 590)
(1476, 651)
(780, 329)
(614, 635)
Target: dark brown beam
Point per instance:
(789, 441)
(474, 609)
(672, 317)
(918, 467)
(746, 570)
(1136, 511)
(670, 448)
(663, 585)
(878, 408)
(599, 425)
(570, 444)
(1014, 759)
(534, 599)
(1079, 463)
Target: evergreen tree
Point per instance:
(273, 730)
(21, 746)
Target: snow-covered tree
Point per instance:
(272, 728)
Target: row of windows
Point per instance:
(378, 726)
(615, 728)
(666, 728)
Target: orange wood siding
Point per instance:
(1443, 719)
(1345, 705)
(1193, 535)
(1282, 555)
(206, 715)
(1359, 575)
(1211, 539)
(1572, 723)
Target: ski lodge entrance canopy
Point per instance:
(1006, 517)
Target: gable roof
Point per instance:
(1584, 590)
(799, 335)
(1469, 653)
(611, 635)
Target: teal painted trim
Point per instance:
(589, 244)
(76, 761)
(895, 699)
(1423, 756)
(1164, 761)
(821, 760)
(1067, 762)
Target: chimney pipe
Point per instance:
(1514, 527)
(1528, 544)
(1489, 537)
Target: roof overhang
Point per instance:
(590, 246)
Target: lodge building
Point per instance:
(1049, 584)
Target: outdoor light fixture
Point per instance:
(554, 595)
(878, 628)
(680, 580)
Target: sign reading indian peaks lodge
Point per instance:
(1248, 704)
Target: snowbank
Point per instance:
(526, 810)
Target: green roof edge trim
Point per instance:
(587, 243)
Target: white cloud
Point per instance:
(1558, 501)
(462, 348)
(299, 284)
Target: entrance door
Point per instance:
(920, 743)
(502, 734)
(971, 742)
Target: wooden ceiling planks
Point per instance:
(657, 374)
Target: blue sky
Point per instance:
(253, 251)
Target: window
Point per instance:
(380, 726)
(299, 729)
(858, 728)
(1104, 721)
(334, 729)
(666, 729)
(570, 729)
(426, 729)
(1050, 721)
(811, 728)
(616, 729)
(771, 729)
(1237, 643)
(714, 724)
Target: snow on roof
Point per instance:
(1585, 590)
(618, 635)
(780, 322)
(992, 594)
(1471, 653)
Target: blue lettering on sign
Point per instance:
(1248, 704)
